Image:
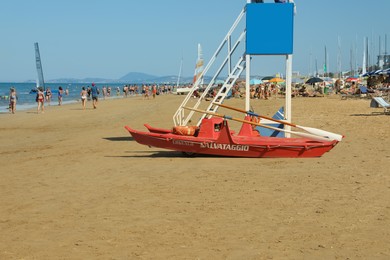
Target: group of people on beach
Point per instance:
(46, 96)
(92, 92)
(41, 97)
(146, 90)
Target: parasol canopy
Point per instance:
(352, 79)
(314, 80)
(267, 78)
(276, 80)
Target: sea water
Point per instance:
(26, 100)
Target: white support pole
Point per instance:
(247, 82)
(287, 112)
(248, 77)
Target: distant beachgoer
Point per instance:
(12, 100)
(154, 91)
(95, 94)
(83, 95)
(60, 94)
(48, 95)
(89, 93)
(40, 99)
(146, 92)
(125, 90)
(66, 91)
(104, 89)
(337, 85)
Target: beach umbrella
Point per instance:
(276, 80)
(314, 80)
(352, 79)
(267, 78)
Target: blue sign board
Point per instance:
(269, 28)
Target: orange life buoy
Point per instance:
(184, 130)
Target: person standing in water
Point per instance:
(40, 100)
(48, 95)
(60, 94)
(12, 100)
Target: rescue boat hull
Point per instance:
(215, 138)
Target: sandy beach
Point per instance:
(74, 185)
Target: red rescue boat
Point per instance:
(213, 137)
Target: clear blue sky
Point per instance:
(109, 38)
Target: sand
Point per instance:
(73, 185)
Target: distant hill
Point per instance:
(85, 80)
(137, 77)
(129, 78)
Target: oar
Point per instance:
(310, 136)
(311, 130)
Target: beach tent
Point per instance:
(255, 81)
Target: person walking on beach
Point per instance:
(146, 91)
(60, 94)
(48, 95)
(154, 91)
(40, 99)
(83, 95)
(95, 94)
(12, 100)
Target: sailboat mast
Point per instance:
(199, 64)
(325, 64)
(40, 82)
(339, 56)
(178, 78)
